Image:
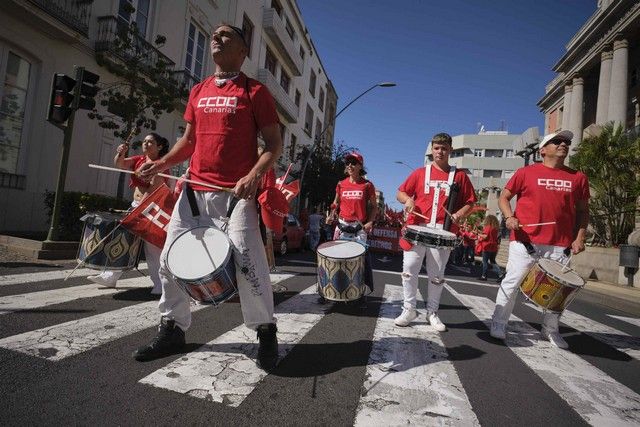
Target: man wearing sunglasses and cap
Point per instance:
(224, 115)
(547, 192)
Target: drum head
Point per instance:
(341, 249)
(555, 269)
(432, 231)
(198, 252)
(101, 217)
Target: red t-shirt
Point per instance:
(414, 186)
(225, 122)
(353, 198)
(134, 181)
(547, 194)
(490, 243)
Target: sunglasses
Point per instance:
(559, 141)
(351, 162)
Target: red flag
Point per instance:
(150, 219)
(290, 190)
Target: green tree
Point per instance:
(145, 89)
(611, 161)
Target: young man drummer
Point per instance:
(547, 192)
(224, 114)
(426, 192)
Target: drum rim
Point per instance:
(224, 263)
(584, 282)
(448, 236)
(346, 241)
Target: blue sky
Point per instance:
(455, 62)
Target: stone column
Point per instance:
(575, 123)
(566, 106)
(619, 82)
(602, 108)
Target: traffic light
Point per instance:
(88, 89)
(60, 106)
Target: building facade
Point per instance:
(597, 78)
(41, 37)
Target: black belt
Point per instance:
(350, 229)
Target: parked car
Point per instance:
(290, 237)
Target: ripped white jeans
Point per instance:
(436, 260)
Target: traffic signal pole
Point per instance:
(62, 174)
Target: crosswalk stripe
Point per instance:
(619, 340)
(223, 370)
(67, 339)
(29, 301)
(595, 396)
(449, 279)
(409, 379)
(632, 320)
(18, 279)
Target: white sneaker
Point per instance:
(435, 321)
(102, 281)
(555, 338)
(407, 316)
(498, 330)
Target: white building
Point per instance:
(41, 37)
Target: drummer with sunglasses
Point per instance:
(430, 201)
(547, 192)
(224, 114)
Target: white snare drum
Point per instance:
(430, 237)
(201, 262)
(341, 268)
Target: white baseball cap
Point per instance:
(563, 134)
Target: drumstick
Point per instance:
(422, 216)
(80, 264)
(163, 175)
(538, 223)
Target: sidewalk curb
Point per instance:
(611, 301)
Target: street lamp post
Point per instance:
(400, 162)
(319, 137)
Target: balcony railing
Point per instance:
(186, 81)
(283, 102)
(277, 33)
(74, 13)
(112, 32)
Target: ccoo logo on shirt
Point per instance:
(352, 194)
(555, 184)
(218, 104)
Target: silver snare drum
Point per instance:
(430, 237)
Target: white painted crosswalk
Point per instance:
(409, 380)
(597, 398)
(17, 279)
(409, 377)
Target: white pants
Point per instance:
(436, 260)
(252, 270)
(517, 266)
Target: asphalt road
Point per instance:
(65, 358)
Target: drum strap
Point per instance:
(191, 197)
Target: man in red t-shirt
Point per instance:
(419, 198)
(224, 114)
(547, 192)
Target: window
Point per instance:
(297, 98)
(477, 152)
(247, 28)
(312, 84)
(15, 74)
(140, 16)
(493, 153)
(508, 174)
(509, 153)
(308, 120)
(289, 29)
(301, 52)
(292, 148)
(488, 173)
(275, 4)
(194, 59)
(321, 99)
(270, 62)
(285, 80)
(633, 78)
(318, 128)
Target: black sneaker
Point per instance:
(268, 350)
(168, 340)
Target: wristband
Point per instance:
(334, 206)
(509, 217)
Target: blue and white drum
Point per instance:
(341, 268)
(201, 263)
(119, 251)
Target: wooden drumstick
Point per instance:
(164, 175)
(537, 224)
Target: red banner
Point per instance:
(384, 239)
(150, 219)
(290, 190)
